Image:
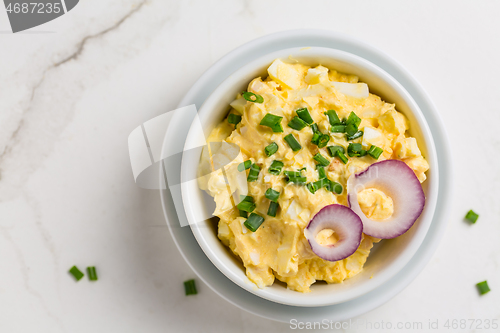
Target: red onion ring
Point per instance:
(396, 180)
(344, 222)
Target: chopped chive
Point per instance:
(323, 183)
(351, 129)
(247, 198)
(271, 149)
(92, 273)
(305, 115)
(246, 206)
(243, 213)
(315, 138)
(323, 140)
(338, 129)
(297, 124)
(244, 166)
(471, 216)
(77, 274)
(316, 134)
(483, 287)
(320, 183)
(353, 119)
(190, 287)
(233, 119)
(272, 195)
(253, 175)
(355, 136)
(314, 128)
(292, 142)
(275, 167)
(375, 152)
(353, 122)
(277, 128)
(321, 172)
(332, 150)
(273, 208)
(301, 169)
(323, 161)
(251, 97)
(342, 157)
(335, 187)
(272, 121)
(253, 222)
(333, 117)
(329, 185)
(295, 177)
(312, 187)
(355, 150)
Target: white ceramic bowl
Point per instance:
(387, 258)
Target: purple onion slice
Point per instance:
(396, 180)
(347, 227)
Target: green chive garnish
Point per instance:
(297, 124)
(321, 172)
(246, 206)
(355, 136)
(342, 157)
(333, 117)
(351, 129)
(375, 152)
(253, 175)
(312, 187)
(315, 138)
(92, 273)
(76, 273)
(272, 195)
(273, 208)
(323, 140)
(332, 150)
(334, 187)
(471, 216)
(292, 142)
(295, 177)
(278, 128)
(248, 198)
(338, 129)
(275, 168)
(271, 149)
(234, 119)
(483, 287)
(251, 97)
(244, 166)
(355, 150)
(316, 134)
(329, 185)
(253, 222)
(323, 161)
(353, 122)
(353, 119)
(305, 115)
(272, 121)
(243, 213)
(190, 287)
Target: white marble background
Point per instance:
(71, 91)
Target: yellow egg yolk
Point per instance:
(327, 237)
(375, 204)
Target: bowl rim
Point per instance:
(212, 277)
(393, 268)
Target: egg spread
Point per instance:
(296, 137)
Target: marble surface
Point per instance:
(72, 90)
